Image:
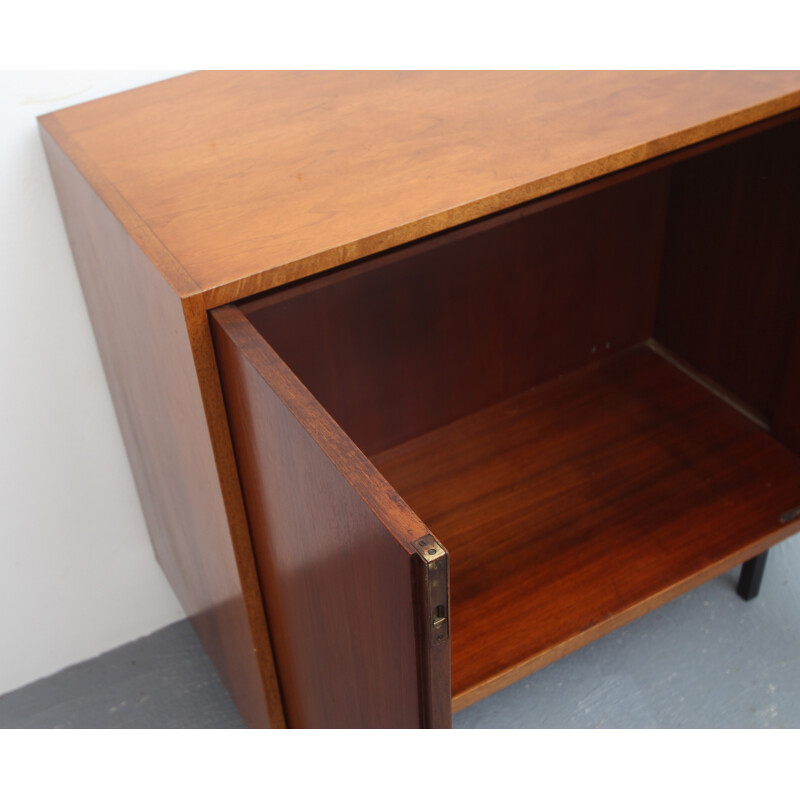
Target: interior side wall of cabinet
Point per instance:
(730, 280)
(787, 407)
(414, 340)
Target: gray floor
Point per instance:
(705, 660)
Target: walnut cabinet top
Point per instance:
(233, 183)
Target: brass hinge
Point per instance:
(437, 588)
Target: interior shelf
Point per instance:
(574, 507)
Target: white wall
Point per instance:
(77, 573)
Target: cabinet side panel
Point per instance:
(147, 356)
(339, 587)
(730, 278)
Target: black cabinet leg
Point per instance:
(751, 575)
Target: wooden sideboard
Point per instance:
(428, 379)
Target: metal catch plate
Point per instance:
(430, 548)
(437, 586)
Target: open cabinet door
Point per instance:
(355, 585)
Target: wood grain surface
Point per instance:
(575, 507)
(186, 478)
(730, 283)
(787, 406)
(244, 181)
(414, 339)
(336, 553)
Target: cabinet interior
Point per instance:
(592, 400)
